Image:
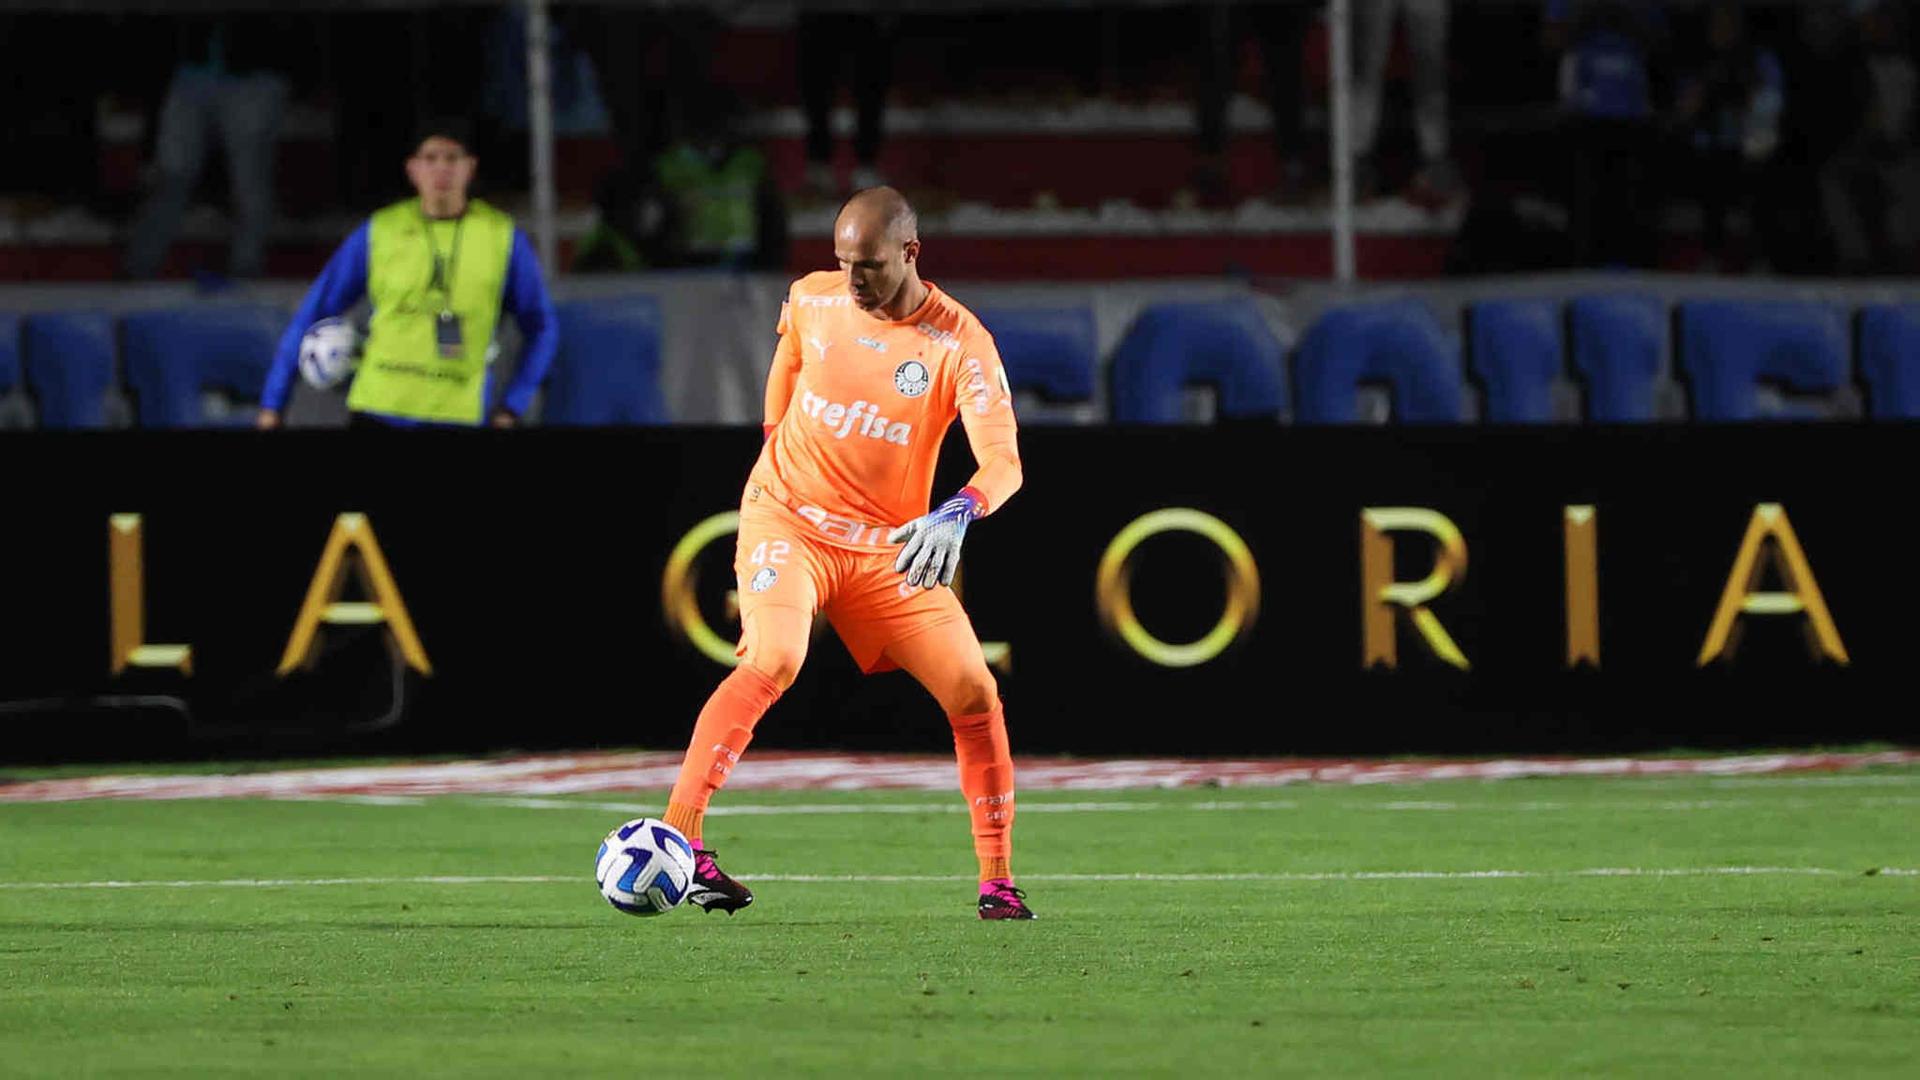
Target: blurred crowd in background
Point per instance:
(1715, 136)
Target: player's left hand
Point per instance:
(931, 543)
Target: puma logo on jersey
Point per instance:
(861, 418)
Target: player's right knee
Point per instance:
(779, 664)
(775, 643)
(975, 693)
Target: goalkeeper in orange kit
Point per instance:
(872, 367)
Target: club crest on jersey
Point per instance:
(763, 579)
(911, 378)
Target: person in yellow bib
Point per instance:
(439, 269)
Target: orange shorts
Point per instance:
(781, 560)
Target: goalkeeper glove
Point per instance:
(931, 550)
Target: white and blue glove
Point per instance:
(930, 552)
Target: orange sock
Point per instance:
(685, 818)
(986, 779)
(720, 736)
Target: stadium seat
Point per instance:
(1223, 343)
(1729, 347)
(1617, 342)
(174, 356)
(1050, 351)
(69, 365)
(1399, 343)
(607, 370)
(1890, 360)
(9, 351)
(1517, 346)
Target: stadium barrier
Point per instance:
(173, 357)
(1619, 343)
(1729, 349)
(607, 368)
(1518, 349)
(1440, 589)
(1400, 344)
(69, 361)
(1051, 352)
(9, 352)
(1890, 360)
(1223, 344)
(665, 348)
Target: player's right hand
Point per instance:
(268, 419)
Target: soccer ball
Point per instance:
(329, 352)
(645, 867)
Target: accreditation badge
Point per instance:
(446, 334)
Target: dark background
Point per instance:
(82, 114)
(531, 564)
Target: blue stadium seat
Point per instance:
(1051, 351)
(607, 370)
(173, 356)
(1399, 343)
(1223, 343)
(1728, 347)
(1890, 360)
(9, 351)
(1616, 347)
(69, 365)
(1517, 353)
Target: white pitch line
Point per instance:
(1867, 780)
(951, 806)
(1372, 875)
(954, 806)
(885, 879)
(358, 800)
(287, 883)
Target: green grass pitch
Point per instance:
(1782, 938)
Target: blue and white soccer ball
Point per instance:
(645, 867)
(329, 352)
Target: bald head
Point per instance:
(878, 212)
(876, 240)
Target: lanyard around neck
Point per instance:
(443, 268)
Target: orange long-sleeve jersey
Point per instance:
(858, 407)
